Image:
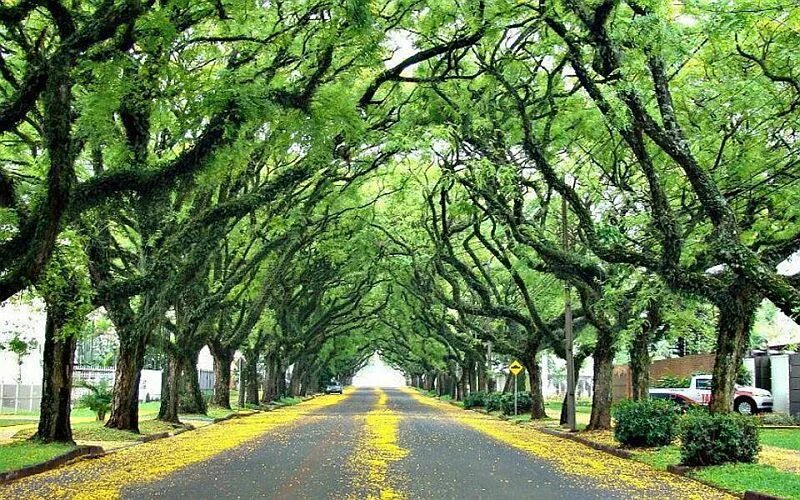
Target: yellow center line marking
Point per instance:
(577, 460)
(376, 450)
(104, 478)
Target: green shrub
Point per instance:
(778, 418)
(524, 403)
(646, 423)
(475, 399)
(718, 438)
(672, 381)
(493, 401)
(97, 400)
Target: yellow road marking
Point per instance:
(376, 450)
(105, 477)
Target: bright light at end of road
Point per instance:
(378, 374)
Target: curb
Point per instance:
(153, 437)
(78, 453)
(754, 495)
(591, 444)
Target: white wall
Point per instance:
(779, 366)
(29, 321)
(205, 361)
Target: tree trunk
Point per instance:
(223, 357)
(192, 400)
(282, 391)
(640, 353)
(537, 399)
(462, 385)
(482, 376)
(251, 380)
(125, 401)
(295, 382)
(54, 419)
(170, 394)
(603, 370)
(733, 332)
(271, 382)
(508, 386)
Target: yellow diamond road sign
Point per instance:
(515, 367)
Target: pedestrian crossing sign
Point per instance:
(515, 367)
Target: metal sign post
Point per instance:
(515, 368)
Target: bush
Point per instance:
(718, 438)
(524, 403)
(475, 399)
(97, 400)
(494, 401)
(672, 381)
(778, 418)
(646, 423)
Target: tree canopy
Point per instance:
(310, 182)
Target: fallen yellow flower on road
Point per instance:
(104, 478)
(603, 469)
(377, 450)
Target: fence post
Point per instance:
(30, 401)
(2, 398)
(16, 398)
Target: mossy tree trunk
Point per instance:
(125, 401)
(191, 399)
(736, 315)
(170, 393)
(639, 352)
(603, 357)
(57, 363)
(223, 358)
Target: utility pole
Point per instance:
(489, 371)
(241, 382)
(568, 340)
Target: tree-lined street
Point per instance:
(292, 187)
(329, 451)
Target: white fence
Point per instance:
(27, 398)
(20, 398)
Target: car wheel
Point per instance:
(745, 406)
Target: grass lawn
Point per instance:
(739, 477)
(752, 477)
(7, 422)
(579, 408)
(94, 431)
(18, 455)
(659, 458)
(212, 413)
(782, 438)
(289, 401)
(582, 412)
(145, 409)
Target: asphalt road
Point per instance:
(381, 444)
(368, 443)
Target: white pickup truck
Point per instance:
(747, 400)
